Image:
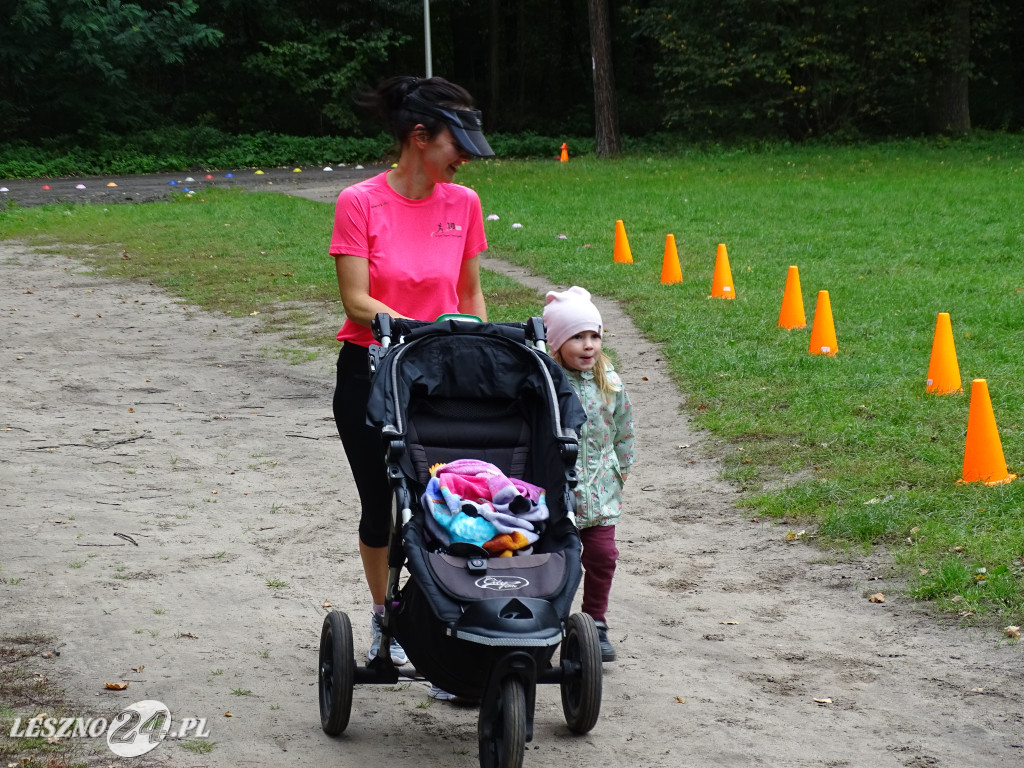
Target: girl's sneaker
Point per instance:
(607, 651)
(398, 657)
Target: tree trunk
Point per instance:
(521, 53)
(494, 97)
(606, 116)
(950, 112)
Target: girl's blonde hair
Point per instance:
(604, 384)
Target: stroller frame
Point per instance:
(497, 649)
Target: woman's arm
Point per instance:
(471, 296)
(354, 287)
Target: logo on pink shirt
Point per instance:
(447, 230)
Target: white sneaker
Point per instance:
(398, 657)
(440, 694)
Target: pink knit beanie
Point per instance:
(568, 313)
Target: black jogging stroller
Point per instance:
(481, 627)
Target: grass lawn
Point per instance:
(896, 233)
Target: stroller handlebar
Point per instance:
(387, 330)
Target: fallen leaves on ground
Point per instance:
(116, 686)
(878, 597)
(1013, 632)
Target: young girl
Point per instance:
(606, 449)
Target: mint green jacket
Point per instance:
(606, 449)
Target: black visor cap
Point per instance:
(465, 124)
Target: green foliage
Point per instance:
(531, 145)
(326, 66)
(203, 147)
(177, 149)
(90, 62)
(297, 66)
(778, 66)
(797, 69)
(735, 68)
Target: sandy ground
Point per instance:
(124, 411)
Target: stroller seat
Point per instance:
(447, 429)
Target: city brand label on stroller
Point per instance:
(541, 576)
(502, 583)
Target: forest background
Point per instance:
(92, 86)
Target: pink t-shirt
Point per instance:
(415, 247)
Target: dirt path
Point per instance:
(125, 412)
(315, 183)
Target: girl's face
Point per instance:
(582, 351)
(442, 157)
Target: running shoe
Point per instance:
(440, 694)
(398, 657)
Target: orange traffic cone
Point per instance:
(943, 370)
(983, 453)
(671, 272)
(792, 313)
(721, 281)
(823, 332)
(565, 153)
(622, 253)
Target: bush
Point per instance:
(529, 145)
(170, 149)
(181, 149)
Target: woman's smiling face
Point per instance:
(442, 156)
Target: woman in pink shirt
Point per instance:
(407, 243)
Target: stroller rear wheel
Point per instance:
(502, 728)
(337, 673)
(581, 674)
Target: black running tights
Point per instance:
(363, 445)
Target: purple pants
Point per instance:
(599, 556)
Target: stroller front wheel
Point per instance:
(337, 673)
(581, 674)
(502, 728)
